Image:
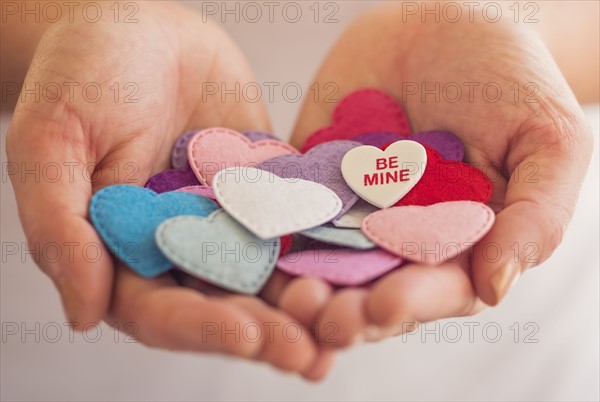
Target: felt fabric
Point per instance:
(353, 238)
(270, 206)
(321, 165)
(126, 218)
(214, 149)
(431, 234)
(286, 244)
(171, 180)
(218, 250)
(256, 136)
(378, 139)
(449, 146)
(448, 181)
(342, 267)
(362, 111)
(382, 177)
(179, 155)
(354, 217)
(204, 191)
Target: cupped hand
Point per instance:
(520, 124)
(153, 76)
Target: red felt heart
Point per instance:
(448, 181)
(286, 244)
(362, 111)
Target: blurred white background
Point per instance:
(554, 354)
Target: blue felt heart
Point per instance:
(126, 218)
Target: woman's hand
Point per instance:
(534, 144)
(151, 74)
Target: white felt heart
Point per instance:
(218, 250)
(270, 206)
(384, 177)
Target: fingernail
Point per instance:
(70, 299)
(503, 280)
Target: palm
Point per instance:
(152, 93)
(521, 145)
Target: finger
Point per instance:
(343, 321)
(305, 298)
(53, 189)
(167, 316)
(275, 287)
(321, 366)
(419, 293)
(550, 163)
(349, 66)
(206, 288)
(284, 343)
(227, 69)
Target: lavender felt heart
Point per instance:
(320, 165)
(179, 157)
(255, 136)
(447, 144)
(171, 180)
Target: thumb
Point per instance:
(51, 175)
(550, 162)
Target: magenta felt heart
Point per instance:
(362, 111)
(342, 267)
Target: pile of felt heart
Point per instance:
(365, 196)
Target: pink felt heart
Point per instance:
(431, 234)
(215, 149)
(342, 267)
(202, 190)
(362, 111)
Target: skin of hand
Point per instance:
(165, 57)
(535, 153)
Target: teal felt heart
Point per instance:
(347, 237)
(219, 250)
(126, 218)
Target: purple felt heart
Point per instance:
(179, 156)
(445, 143)
(171, 180)
(255, 136)
(378, 139)
(321, 165)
